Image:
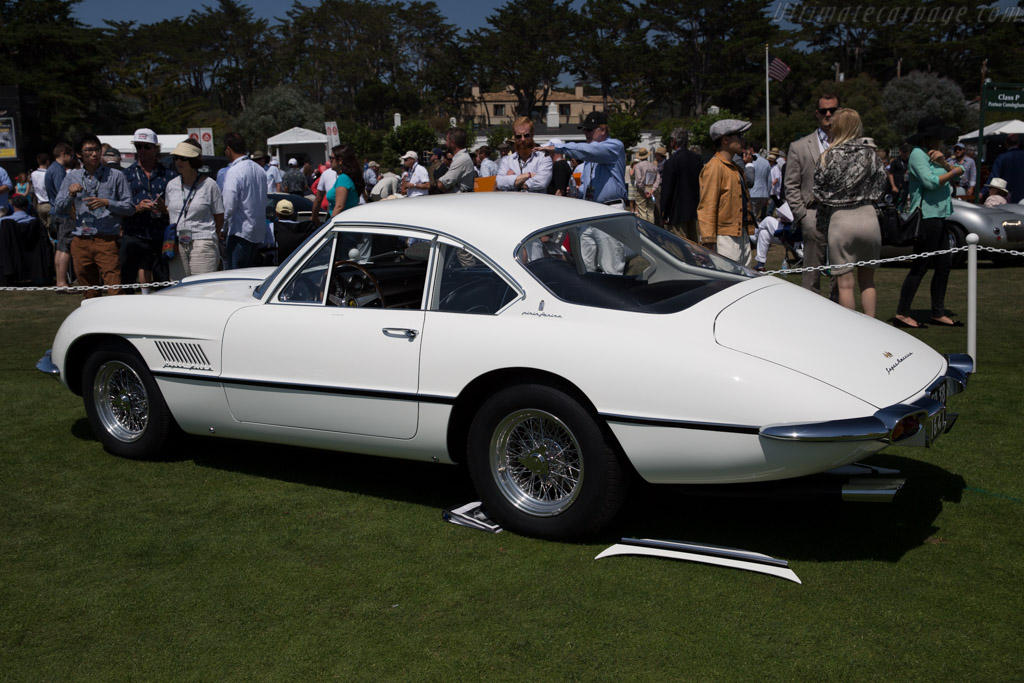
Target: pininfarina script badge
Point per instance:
(899, 360)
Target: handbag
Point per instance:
(898, 230)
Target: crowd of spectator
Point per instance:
(155, 221)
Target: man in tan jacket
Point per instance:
(798, 181)
(724, 212)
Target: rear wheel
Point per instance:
(542, 465)
(123, 403)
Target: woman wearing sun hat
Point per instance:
(195, 204)
(929, 176)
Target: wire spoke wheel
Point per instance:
(121, 400)
(536, 462)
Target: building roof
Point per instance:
(297, 135)
(553, 96)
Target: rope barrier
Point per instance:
(788, 271)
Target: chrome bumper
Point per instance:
(905, 424)
(45, 365)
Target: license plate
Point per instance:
(936, 426)
(939, 394)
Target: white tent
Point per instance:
(301, 143)
(123, 144)
(998, 128)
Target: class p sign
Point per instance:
(1004, 99)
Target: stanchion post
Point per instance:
(972, 298)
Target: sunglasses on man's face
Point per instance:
(144, 146)
(523, 136)
(825, 111)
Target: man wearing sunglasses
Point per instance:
(526, 169)
(144, 231)
(798, 182)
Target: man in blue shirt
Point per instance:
(603, 179)
(101, 197)
(20, 210)
(61, 224)
(603, 176)
(245, 205)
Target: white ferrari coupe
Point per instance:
(550, 344)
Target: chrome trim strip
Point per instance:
(679, 424)
(289, 386)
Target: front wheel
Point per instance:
(123, 403)
(542, 465)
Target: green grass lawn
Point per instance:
(250, 562)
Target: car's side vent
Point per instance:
(185, 355)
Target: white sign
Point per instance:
(332, 133)
(204, 136)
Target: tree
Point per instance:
(625, 128)
(498, 134)
(46, 50)
(274, 110)
(919, 94)
(506, 52)
(713, 52)
(609, 48)
(411, 135)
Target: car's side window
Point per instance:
(308, 285)
(468, 285)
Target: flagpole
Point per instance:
(767, 104)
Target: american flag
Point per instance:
(777, 69)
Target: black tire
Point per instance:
(125, 408)
(957, 238)
(542, 465)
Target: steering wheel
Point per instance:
(340, 296)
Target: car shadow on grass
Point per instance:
(420, 483)
(796, 523)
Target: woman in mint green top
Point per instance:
(349, 186)
(929, 177)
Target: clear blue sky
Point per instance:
(464, 14)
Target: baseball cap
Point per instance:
(285, 208)
(145, 136)
(275, 162)
(719, 129)
(409, 155)
(593, 120)
(293, 162)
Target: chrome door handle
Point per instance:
(400, 332)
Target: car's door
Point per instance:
(323, 353)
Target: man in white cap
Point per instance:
(724, 214)
(415, 180)
(144, 232)
(294, 181)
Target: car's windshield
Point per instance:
(624, 263)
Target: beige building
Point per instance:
(495, 108)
